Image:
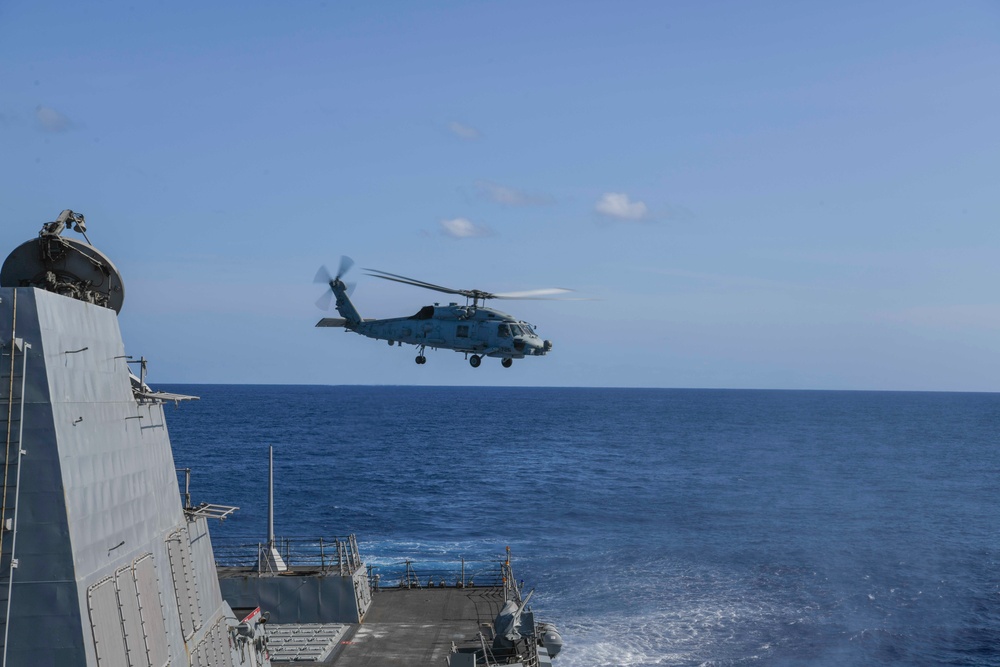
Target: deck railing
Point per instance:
(341, 555)
(435, 572)
(326, 554)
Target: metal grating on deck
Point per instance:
(303, 642)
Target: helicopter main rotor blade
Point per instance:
(385, 275)
(478, 295)
(531, 294)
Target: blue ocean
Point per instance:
(658, 527)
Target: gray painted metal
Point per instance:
(65, 266)
(179, 553)
(97, 504)
(301, 642)
(106, 625)
(128, 607)
(210, 651)
(269, 559)
(14, 423)
(151, 611)
(299, 597)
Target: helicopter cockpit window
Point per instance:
(516, 330)
(425, 313)
(503, 331)
(528, 330)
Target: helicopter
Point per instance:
(471, 329)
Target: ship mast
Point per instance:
(269, 559)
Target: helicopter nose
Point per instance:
(539, 347)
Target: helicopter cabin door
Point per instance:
(465, 334)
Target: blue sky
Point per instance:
(772, 194)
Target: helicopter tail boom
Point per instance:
(344, 306)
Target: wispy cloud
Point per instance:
(463, 131)
(501, 194)
(463, 228)
(51, 120)
(618, 205)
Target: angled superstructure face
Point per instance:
(100, 564)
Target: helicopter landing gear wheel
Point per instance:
(421, 359)
(507, 363)
(474, 361)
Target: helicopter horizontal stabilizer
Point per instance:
(339, 321)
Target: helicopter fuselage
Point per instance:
(470, 329)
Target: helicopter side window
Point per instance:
(462, 331)
(425, 313)
(503, 331)
(516, 330)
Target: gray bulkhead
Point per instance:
(108, 566)
(306, 598)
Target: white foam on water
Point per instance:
(680, 637)
(699, 617)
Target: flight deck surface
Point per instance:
(416, 626)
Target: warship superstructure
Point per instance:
(102, 563)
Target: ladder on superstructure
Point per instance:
(13, 360)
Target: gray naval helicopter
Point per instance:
(472, 329)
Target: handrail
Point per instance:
(341, 555)
(325, 553)
(10, 410)
(435, 572)
(8, 576)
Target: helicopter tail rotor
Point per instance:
(325, 300)
(345, 265)
(323, 276)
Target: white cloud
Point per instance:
(501, 194)
(618, 205)
(51, 120)
(462, 228)
(464, 131)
